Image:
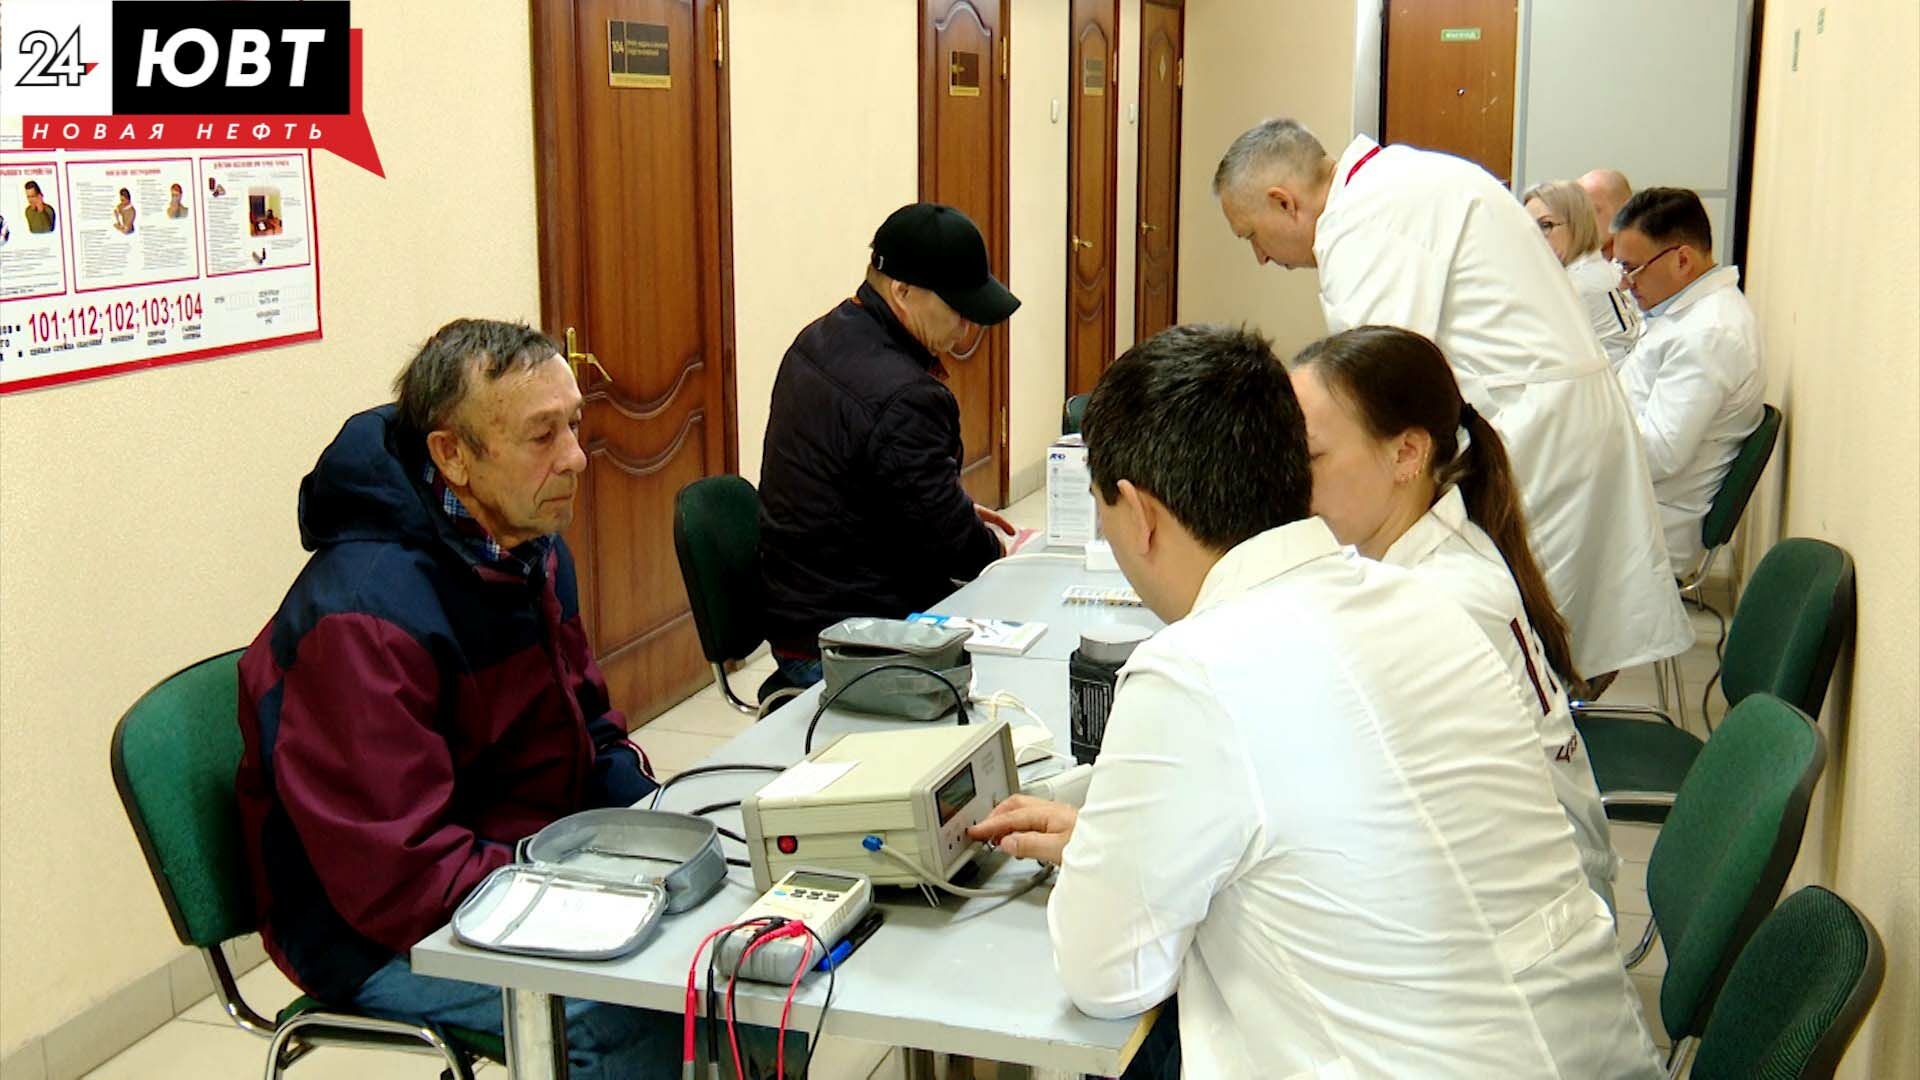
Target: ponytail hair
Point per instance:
(1396, 380)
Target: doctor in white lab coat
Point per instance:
(1320, 812)
(1433, 244)
(1565, 217)
(1694, 379)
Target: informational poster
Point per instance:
(115, 260)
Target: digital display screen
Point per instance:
(803, 879)
(955, 793)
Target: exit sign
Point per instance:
(1460, 33)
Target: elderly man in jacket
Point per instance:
(425, 696)
(861, 508)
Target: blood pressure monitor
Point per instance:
(917, 790)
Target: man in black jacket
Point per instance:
(861, 508)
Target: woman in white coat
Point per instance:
(1410, 474)
(1565, 216)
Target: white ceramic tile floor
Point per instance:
(202, 1044)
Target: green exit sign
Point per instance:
(1460, 33)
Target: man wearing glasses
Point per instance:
(1693, 380)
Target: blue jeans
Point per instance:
(604, 1042)
(801, 673)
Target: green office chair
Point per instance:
(716, 532)
(1716, 530)
(1794, 616)
(1797, 994)
(1719, 864)
(1074, 414)
(175, 754)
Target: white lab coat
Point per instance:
(1433, 244)
(1697, 391)
(1611, 310)
(1457, 556)
(1321, 814)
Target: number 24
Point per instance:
(55, 63)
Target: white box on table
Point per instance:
(1070, 514)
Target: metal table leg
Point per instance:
(918, 1064)
(536, 1029)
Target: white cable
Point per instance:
(998, 698)
(961, 890)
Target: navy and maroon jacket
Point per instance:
(409, 714)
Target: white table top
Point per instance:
(1029, 589)
(970, 977)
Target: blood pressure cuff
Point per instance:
(851, 648)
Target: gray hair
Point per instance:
(1272, 142)
(434, 384)
(1568, 201)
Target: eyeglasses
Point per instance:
(1630, 273)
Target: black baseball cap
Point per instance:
(937, 248)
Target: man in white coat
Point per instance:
(1432, 244)
(1608, 191)
(1320, 811)
(1694, 378)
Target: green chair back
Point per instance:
(1074, 414)
(1736, 488)
(1723, 856)
(175, 755)
(1794, 615)
(1796, 995)
(716, 531)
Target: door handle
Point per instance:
(1147, 227)
(1082, 244)
(575, 358)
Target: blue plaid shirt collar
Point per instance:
(474, 537)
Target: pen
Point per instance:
(845, 946)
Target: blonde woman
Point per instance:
(1565, 216)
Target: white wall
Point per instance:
(148, 519)
(1597, 89)
(1248, 60)
(1037, 373)
(1833, 276)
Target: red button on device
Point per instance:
(787, 845)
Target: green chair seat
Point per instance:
(1797, 993)
(1636, 755)
(174, 756)
(1794, 616)
(1728, 844)
(1074, 414)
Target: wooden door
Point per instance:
(1093, 123)
(635, 254)
(1449, 79)
(963, 163)
(1157, 234)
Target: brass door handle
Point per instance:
(575, 358)
(1147, 227)
(1079, 243)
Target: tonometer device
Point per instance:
(828, 902)
(912, 792)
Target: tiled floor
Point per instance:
(202, 1044)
